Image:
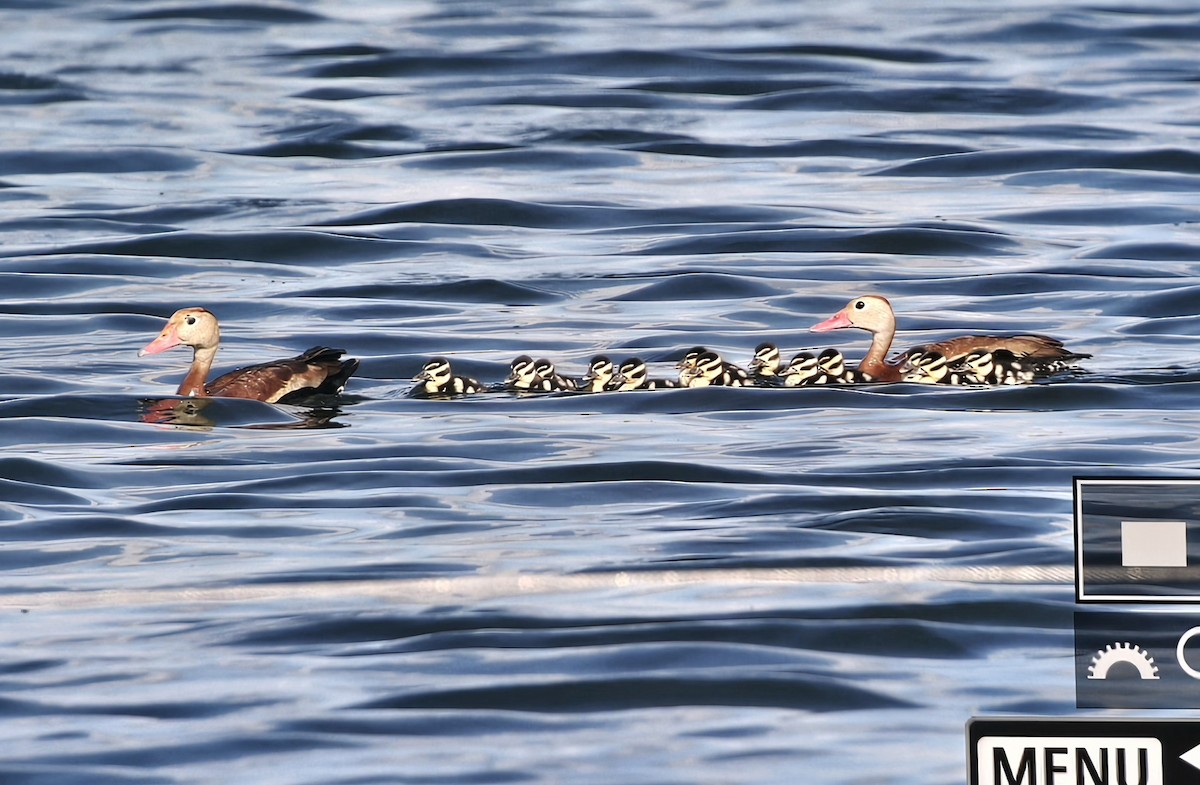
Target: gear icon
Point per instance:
(1115, 653)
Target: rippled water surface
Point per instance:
(685, 586)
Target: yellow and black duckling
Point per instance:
(999, 366)
(925, 367)
(978, 367)
(524, 377)
(766, 363)
(801, 371)
(687, 366)
(710, 370)
(558, 383)
(633, 375)
(930, 367)
(600, 375)
(437, 378)
(834, 371)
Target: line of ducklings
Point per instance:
(701, 367)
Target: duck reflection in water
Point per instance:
(209, 413)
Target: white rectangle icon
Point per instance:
(1066, 760)
(1153, 544)
(1132, 540)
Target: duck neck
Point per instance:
(194, 382)
(875, 362)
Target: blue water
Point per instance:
(696, 586)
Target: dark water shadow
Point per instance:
(210, 413)
(318, 411)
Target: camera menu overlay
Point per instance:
(1137, 548)
(1137, 660)
(1137, 544)
(1137, 540)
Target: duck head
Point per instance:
(194, 327)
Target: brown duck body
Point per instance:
(318, 370)
(875, 315)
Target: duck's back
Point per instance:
(1031, 347)
(318, 370)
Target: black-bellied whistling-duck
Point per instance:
(437, 378)
(874, 314)
(319, 370)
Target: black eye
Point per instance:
(860, 304)
(190, 320)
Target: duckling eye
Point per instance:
(190, 320)
(860, 304)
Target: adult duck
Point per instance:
(875, 315)
(319, 370)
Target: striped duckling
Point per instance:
(600, 375)
(828, 367)
(1000, 366)
(977, 367)
(633, 375)
(834, 371)
(558, 383)
(930, 367)
(711, 370)
(437, 378)
(524, 377)
(801, 371)
(687, 366)
(766, 364)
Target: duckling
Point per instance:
(930, 367)
(998, 366)
(687, 366)
(925, 367)
(766, 363)
(600, 375)
(523, 376)
(711, 370)
(801, 371)
(437, 378)
(545, 369)
(834, 371)
(632, 375)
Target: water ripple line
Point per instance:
(491, 587)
